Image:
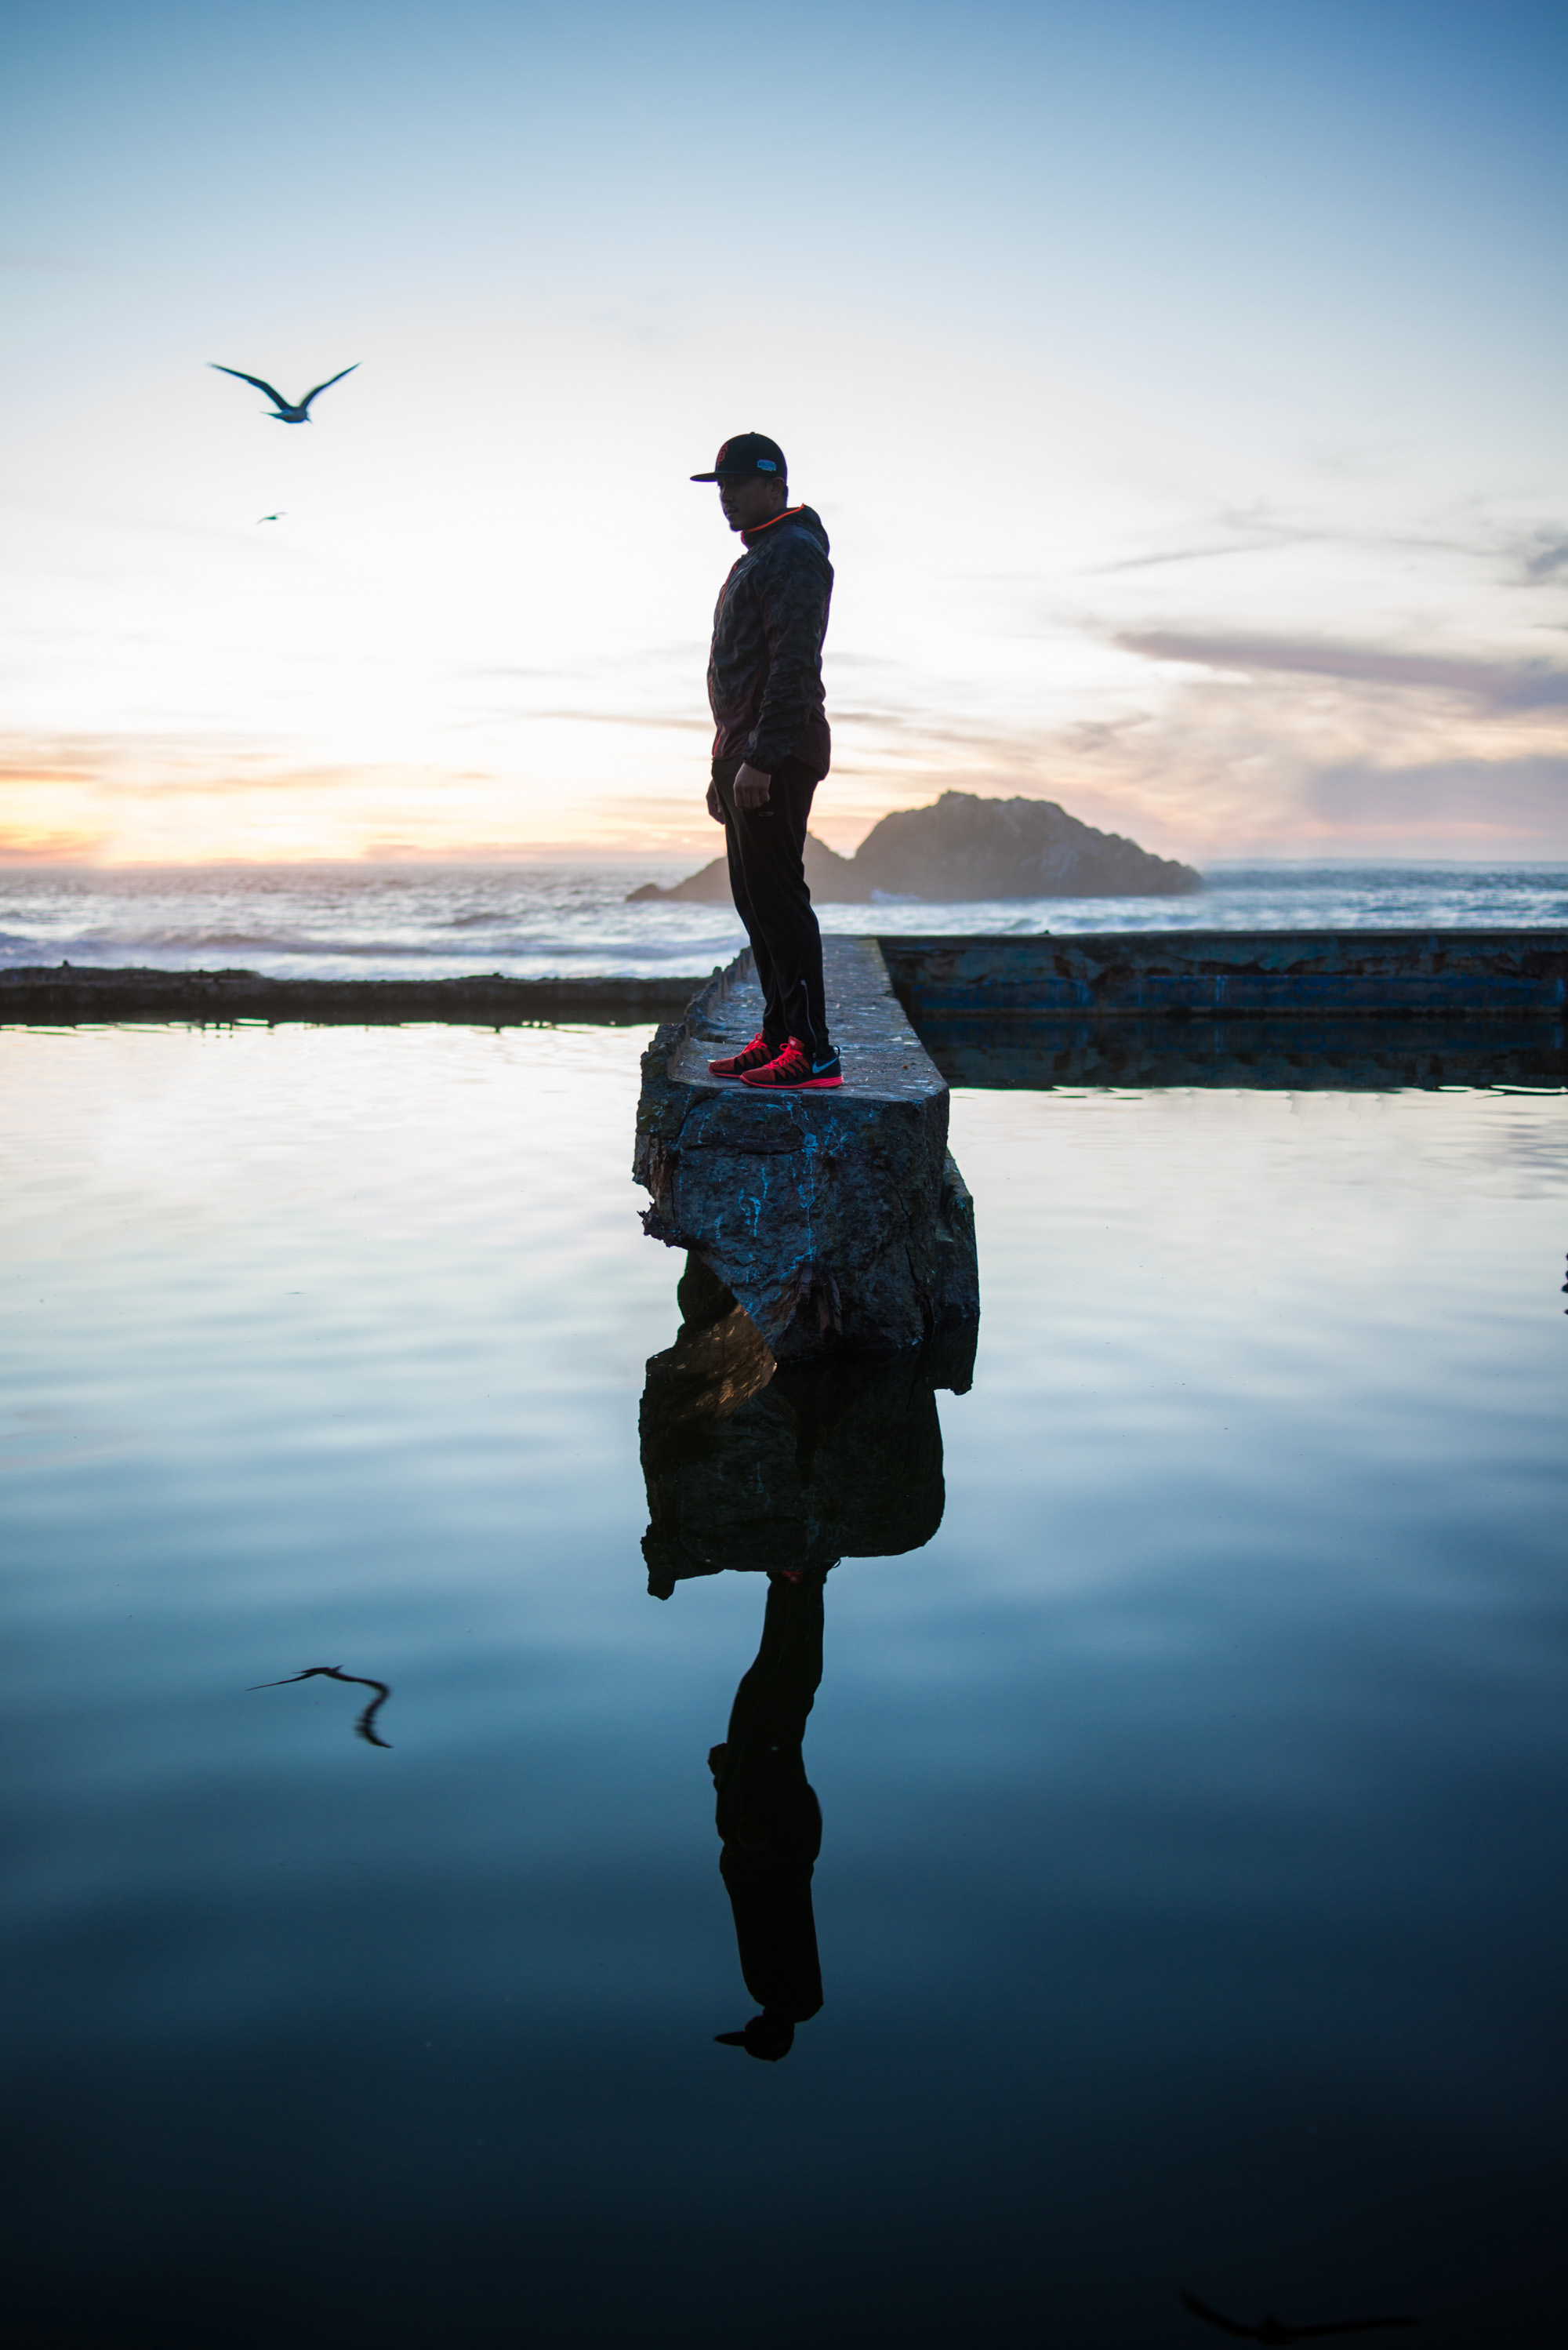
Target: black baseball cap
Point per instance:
(748, 453)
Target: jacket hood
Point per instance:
(801, 517)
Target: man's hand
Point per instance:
(750, 788)
(715, 804)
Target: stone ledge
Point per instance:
(66, 994)
(837, 1220)
(1232, 975)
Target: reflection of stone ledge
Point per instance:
(837, 1220)
(786, 1470)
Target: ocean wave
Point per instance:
(533, 922)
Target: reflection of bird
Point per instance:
(286, 411)
(365, 1727)
(1271, 2329)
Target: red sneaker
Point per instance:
(795, 1068)
(756, 1055)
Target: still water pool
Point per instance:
(1190, 1902)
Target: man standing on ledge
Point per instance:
(770, 753)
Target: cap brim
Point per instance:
(736, 473)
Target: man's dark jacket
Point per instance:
(765, 672)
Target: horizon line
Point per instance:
(559, 854)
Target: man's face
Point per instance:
(748, 499)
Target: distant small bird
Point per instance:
(287, 412)
(365, 1727)
(277, 517)
(1274, 2330)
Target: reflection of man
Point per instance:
(770, 753)
(769, 1820)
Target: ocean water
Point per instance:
(387, 921)
(1191, 1905)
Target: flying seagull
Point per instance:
(277, 517)
(284, 412)
(1272, 2329)
(365, 1727)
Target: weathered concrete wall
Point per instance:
(61, 995)
(837, 1220)
(1232, 975)
(1219, 974)
(1315, 1052)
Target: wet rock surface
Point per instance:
(837, 1220)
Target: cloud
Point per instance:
(623, 718)
(1548, 555)
(1231, 533)
(390, 850)
(1501, 686)
(1194, 554)
(1506, 801)
(24, 846)
(50, 766)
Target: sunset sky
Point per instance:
(1182, 386)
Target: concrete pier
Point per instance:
(1231, 975)
(1350, 1009)
(1347, 1009)
(64, 996)
(838, 1220)
(1295, 976)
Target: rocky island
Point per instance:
(964, 847)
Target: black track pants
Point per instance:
(767, 880)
